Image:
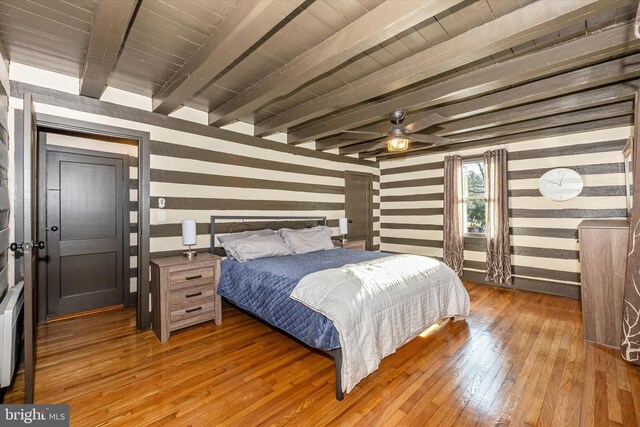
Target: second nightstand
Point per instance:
(350, 244)
(184, 292)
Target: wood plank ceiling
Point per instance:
(492, 70)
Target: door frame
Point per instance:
(347, 174)
(46, 121)
(43, 150)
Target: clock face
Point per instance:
(560, 184)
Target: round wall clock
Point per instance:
(560, 184)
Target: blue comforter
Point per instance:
(263, 286)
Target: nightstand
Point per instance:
(350, 244)
(184, 292)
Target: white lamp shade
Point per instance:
(343, 224)
(188, 232)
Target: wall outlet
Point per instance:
(161, 202)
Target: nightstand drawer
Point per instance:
(192, 315)
(192, 296)
(183, 279)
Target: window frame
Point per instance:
(465, 233)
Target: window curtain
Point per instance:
(497, 228)
(453, 249)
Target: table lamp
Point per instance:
(189, 236)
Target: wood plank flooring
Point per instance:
(520, 359)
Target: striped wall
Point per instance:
(202, 171)
(65, 140)
(198, 181)
(543, 233)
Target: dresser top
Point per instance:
(604, 223)
(201, 258)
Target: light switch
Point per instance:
(162, 215)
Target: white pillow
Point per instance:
(307, 239)
(254, 247)
(236, 236)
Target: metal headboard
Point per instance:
(247, 225)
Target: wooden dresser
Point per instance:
(184, 292)
(603, 258)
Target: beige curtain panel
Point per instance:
(497, 229)
(453, 251)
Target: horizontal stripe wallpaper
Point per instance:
(202, 171)
(199, 174)
(544, 234)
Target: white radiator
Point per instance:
(11, 328)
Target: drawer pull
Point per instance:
(193, 295)
(191, 310)
(199, 276)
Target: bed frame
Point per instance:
(244, 223)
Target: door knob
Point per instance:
(350, 221)
(54, 228)
(26, 246)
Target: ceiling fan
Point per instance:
(399, 136)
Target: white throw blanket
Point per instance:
(379, 305)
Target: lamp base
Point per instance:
(190, 253)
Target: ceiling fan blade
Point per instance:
(369, 154)
(425, 122)
(381, 144)
(363, 134)
(430, 139)
(350, 138)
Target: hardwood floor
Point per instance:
(518, 360)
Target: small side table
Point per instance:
(184, 292)
(350, 244)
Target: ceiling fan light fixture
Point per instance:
(398, 143)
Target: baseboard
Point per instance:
(526, 284)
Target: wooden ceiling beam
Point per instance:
(560, 119)
(108, 31)
(524, 136)
(246, 24)
(388, 19)
(588, 49)
(560, 105)
(552, 120)
(579, 80)
(585, 78)
(551, 114)
(527, 23)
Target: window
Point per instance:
(473, 196)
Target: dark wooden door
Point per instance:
(84, 233)
(359, 206)
(30, 222)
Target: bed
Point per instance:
(266, 288)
